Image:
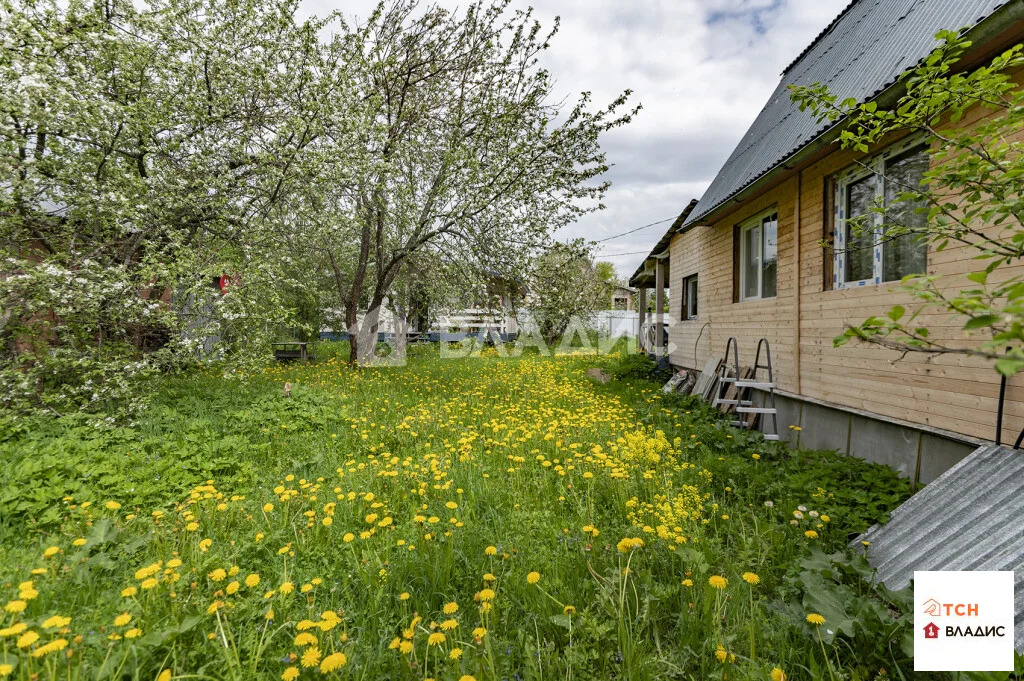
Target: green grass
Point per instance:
(423, 468)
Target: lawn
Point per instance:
(482, 518)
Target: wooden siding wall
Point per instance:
(954, 393)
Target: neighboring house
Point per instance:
(747, 260)
(622, 298)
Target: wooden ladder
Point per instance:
(733, 377)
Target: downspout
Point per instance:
(796, 279)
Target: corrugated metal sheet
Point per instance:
(860, 54)
(970, 518)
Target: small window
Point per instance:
(689, 297)
(863, 253)
(759, 256)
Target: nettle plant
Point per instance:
(972, 197)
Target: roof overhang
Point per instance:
(644, 275)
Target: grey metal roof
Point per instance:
(859, 55)
(970, 518)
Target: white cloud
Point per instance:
(702, 70)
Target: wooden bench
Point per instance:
(289, 351)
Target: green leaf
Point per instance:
(896, 312)
(1008, 366)
(981, 322)
(561, 620)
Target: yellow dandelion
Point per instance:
(290, 674)
(311, 657)
(778, 674)
(450, 608)
(718, 581)
(122, 619)
(751, 578)
(16, 606)
(306, 639)
(815, 619)
(435, 639)
(533, 577)
(333, 662)
(252, 580)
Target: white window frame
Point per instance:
(873, 165)
(745, 226)
(687, 280)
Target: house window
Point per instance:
(689, 297)
(863, 253)
(759, 256)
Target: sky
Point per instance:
(702, 69)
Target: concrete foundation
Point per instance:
(920, 453)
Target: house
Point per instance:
(748, 261)
(622, 297)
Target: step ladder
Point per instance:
(731, 377)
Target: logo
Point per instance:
(972, 614)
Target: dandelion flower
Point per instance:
(486, 595)
(751, 578)
(569, 610)
(27, 639)
(815, 619)
(435, 639)
(348, 537)
(233, 587)
(6, 669)
(404, 596)
(79, 542)
(16, 606)
(455, 653)
(718, 582)
(129, 592)
(450, 608)
(491, 551)
(811, 534)
(306, 639)
(218, 575)
(56, 622)
(467, 677)
(533, 577)
(149, 583)
(311, 657)
(287, 588)
(687, 582)
(267, 508)
(333, 662)
(778, 674)
(165, 675)
(479, 633)
(51, 552)
(122, 619)
(290, 674)
(134, 632)
(405, 647)
(252, 580)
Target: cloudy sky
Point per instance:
(702, 70)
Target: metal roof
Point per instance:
(860, 54)
(967, 519)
